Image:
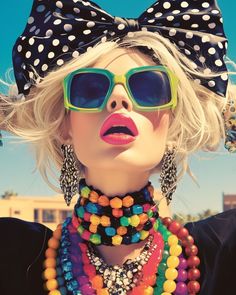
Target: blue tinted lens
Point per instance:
(150, 88)
(88, 90)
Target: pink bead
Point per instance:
(86, 235)
(82, 280)
(146, 207)
(87, 216)
(75, 221)
(87, 290)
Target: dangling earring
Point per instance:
(69, 174)
(168, 176)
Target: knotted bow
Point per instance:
(58, 31)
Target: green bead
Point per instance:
(80, 211)
(150, 213)
(161, 268)
(165, 255)
(80, 229)
(156, 225)
(124, 221)
(85, 192)
(95, 239)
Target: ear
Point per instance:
(66, 136)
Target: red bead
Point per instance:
(193, 261)
(191, 250)
(193, 287)
(174, 227)
(193, 274)
(188, 241)
(183, 233)
(166, 221)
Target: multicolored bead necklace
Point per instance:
(73, 266)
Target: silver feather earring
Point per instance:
(168, 176)
(69, 177)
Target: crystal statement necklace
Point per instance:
(167, 265)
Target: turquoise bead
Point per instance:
(135, 238)
(110, 231)
(92, 208)
(137, 209)
(80, 211)
(63, 291)
(162, 267)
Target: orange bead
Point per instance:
(97, 282)
(51, 284)
(49, 273)
(117, 212)
(151, 190)
(103, 201)
(143, 218)
(93, 197)
(93, 228)
(53, 243)
(82, 201)
(59, 226)
(105, 221)
(128, 201)
(50, 253)
(139, 227)
(116, 203)
(102, 291)
(50, 262)
(121, 230)
(57, 234)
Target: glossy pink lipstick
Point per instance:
(118, 129)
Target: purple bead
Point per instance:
(76, 259)
(87, 289)
(182, 275)
(181, 289)
(182, 263)
(82, 280)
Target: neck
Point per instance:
(115, 182)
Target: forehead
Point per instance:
(120, 60)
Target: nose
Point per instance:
(119, 99)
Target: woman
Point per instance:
(139, 96)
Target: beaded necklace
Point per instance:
(73, 267)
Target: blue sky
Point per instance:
(215, 175)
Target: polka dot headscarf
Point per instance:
(58, 31)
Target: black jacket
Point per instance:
(22, 247)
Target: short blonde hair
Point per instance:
(197, 122)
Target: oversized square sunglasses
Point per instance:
(149, 88)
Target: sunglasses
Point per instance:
(149, 88)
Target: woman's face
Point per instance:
(145, 151)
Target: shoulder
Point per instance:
(219, 229)
(22, 239)
(215, 238)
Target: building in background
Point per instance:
(229, 201)
(49, 211)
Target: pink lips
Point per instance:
(120, 120)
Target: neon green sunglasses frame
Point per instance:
(123, 80)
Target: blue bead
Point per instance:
(63, 290)
(126, 240)
(60, 281)
(137, 209)
(67, 266)
(135, 238)
(147, 196)
(110, 231)
(59, 271)
(72, 285)
(80, 211)
(92, 208)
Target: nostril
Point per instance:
(113, 104)
(125, 104)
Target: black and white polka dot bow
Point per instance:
(58, 31)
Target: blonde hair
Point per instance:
(197, 122)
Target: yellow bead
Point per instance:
(54, 292)
(171, 274)
(148, 291)
(144, 234)
(165, 293)
(93, 228)
(173, 240)
(49, 273)
(175, 250)
(94, 219)
(105, 221)
(172, 261)
(169, 286)
(116, 203)
(51, 284)
(134, 220)
(117, 240)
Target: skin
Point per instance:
(117, 170)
